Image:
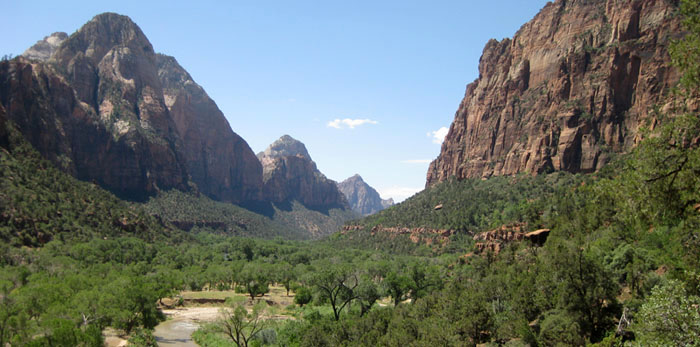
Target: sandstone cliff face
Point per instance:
(68, 132)
(104, 107)
(44, 49)
(568, 90)
(218, 160)
(290, 174)
(362, 198)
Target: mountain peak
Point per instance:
(362, 198)
(286, 146)
(43, 49)
(100, 35)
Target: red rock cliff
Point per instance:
(290, 174)
(104, 107)
(218, 160)
(569, 89)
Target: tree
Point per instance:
(686, 53)
(586, 289)
(254, 279)
(397, 286)
(367, 294)
(131, 303)
(285, 275)
(337, 284)
(240, 325)
(422, 279)
(669, 317)
(302, 296)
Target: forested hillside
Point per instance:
(619, 265)
(39, 203)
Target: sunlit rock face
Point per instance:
(290, 174)
(103, 106)
(362, 198)
(572, 87)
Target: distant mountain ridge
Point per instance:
(362, 198)
(102, 106)
(290, 174)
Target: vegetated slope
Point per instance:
(192, 212)
(315, 223)
(572, 86)
(472, 205)
(446, 215)
(39, 203)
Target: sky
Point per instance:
(370, 87)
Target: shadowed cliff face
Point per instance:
(568, 90)
(219, 161)
(290, 174)
(362, 198)
(94, 103)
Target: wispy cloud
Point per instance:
(349, 123)
(398, 193)
(438, 135)
(416, 161)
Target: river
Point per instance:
(181, 323)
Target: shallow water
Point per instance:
(175, 332)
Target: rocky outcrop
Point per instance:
(43, 49)
(494, 240)
(103, 106)
(218, 160)
(290, 174)
(362, 198)
(568, 90)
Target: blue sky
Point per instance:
(364, 84)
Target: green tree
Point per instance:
(669, 317)
(240, 325)
(397, 286)
(337, 283)
(685, 53)
(285, 275)
(367, 293)
(255, 279)
(302, 296)
(586, 288)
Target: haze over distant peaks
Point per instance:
(43, 49)
(290, 174)
(362, 198)
(285, 146)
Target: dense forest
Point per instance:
(619, 266)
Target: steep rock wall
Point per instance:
(571, 88)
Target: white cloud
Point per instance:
(416, 161)
(398, 193)
(438, 135)
(350, 123)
